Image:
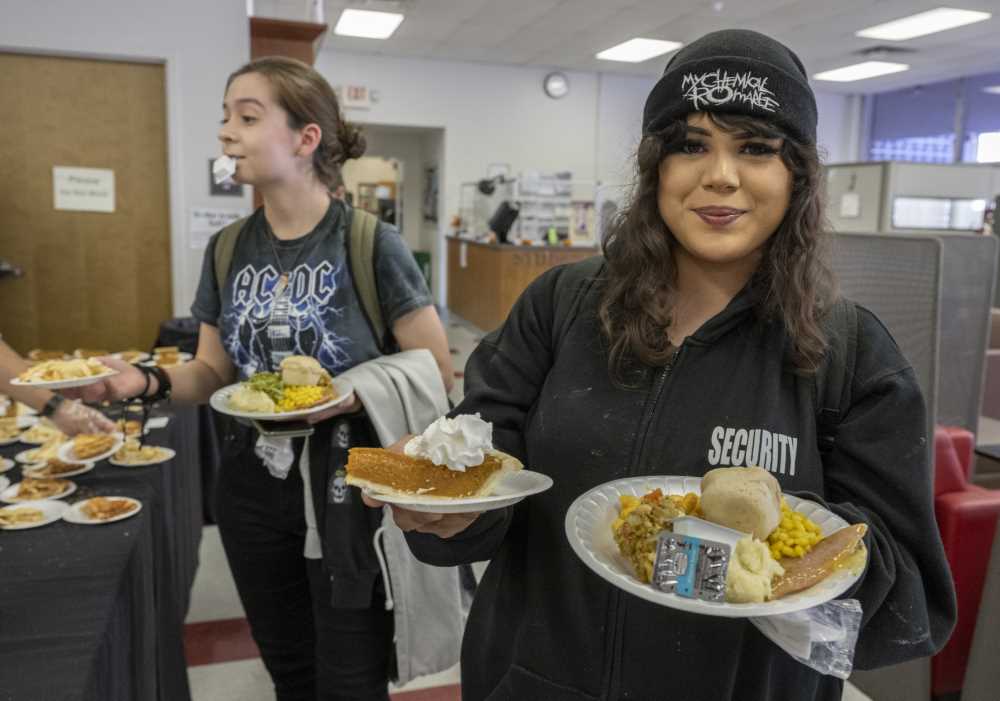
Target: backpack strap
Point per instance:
(835, 375)
(225, 246)
(361, 258)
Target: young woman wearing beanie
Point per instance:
(318, 617)
(707, 312)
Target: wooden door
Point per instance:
(91, 279)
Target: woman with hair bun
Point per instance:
(316, 610)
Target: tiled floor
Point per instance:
(224, 664)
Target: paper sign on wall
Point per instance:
(850, 205)
(356, 97)
(202, 223)
(83, 189)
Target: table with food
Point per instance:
(104, 528)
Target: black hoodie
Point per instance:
(545, 627)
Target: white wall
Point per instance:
(200, 43)
(839, 129)
(499, 114)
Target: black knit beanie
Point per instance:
(735, 71)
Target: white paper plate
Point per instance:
(32, 471)
(4, 483)
(168, 454)
(220, 402)
(511, 489)
(25, 457)
(6, 464)
(66, 450)
(74, 514)
(8, 494)
(51, 510)
(181, 359)
(588, 528)
(63, 384)
(141, 359)
(28, 441)
(24, 422)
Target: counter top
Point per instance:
(521, 247)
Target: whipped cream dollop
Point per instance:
(453, 443)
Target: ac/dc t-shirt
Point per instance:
(315, 311)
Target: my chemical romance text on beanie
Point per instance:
(735, 71)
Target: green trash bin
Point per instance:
(423, 259)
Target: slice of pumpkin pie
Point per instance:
(452, 459)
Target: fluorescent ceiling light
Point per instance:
(367, 24)
(993, 90)
(930, 22)
(861, 71)
(638, 50)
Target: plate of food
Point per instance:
(12, 427)
(6, 465)
(134, 455)
(90, 447)
(60, 374)
(132, 356)
(41, 433)
(784, 554)
(42, 453)
(98, 510)
(85, 353)
(129, 427)
(30, 489)
(39, 354)
(56, 468)
(19, 517)
(451, 467)
(168, 357)
(300, 388)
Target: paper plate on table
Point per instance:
(4, 483)
(64, 384)
(67, 454)
(165, 454)
(30, 456)
(511, 489)
(21, 423)
(76, 514)
(36, 470)
(220, 402)
(588, 529)
(9, 494)
(140, 357)
(6, 464)
(51, 511)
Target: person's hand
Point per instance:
(125, 385)
(72, 417)
(441, 525)
(348, 406)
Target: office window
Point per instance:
(915, 124)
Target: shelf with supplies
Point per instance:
(532, 207)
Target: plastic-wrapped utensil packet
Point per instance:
(223, 169)
(691, 567)
(822, 637)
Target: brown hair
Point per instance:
(308, 99)
(793, 281)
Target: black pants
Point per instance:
(312, 650)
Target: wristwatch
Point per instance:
(51, 406)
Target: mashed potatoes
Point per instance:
(251, 400)
(751, 570)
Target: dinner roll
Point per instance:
(745, 498)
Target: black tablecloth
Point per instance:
(96, 613)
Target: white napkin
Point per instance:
(277, 454)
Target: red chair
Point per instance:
(967, 517)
